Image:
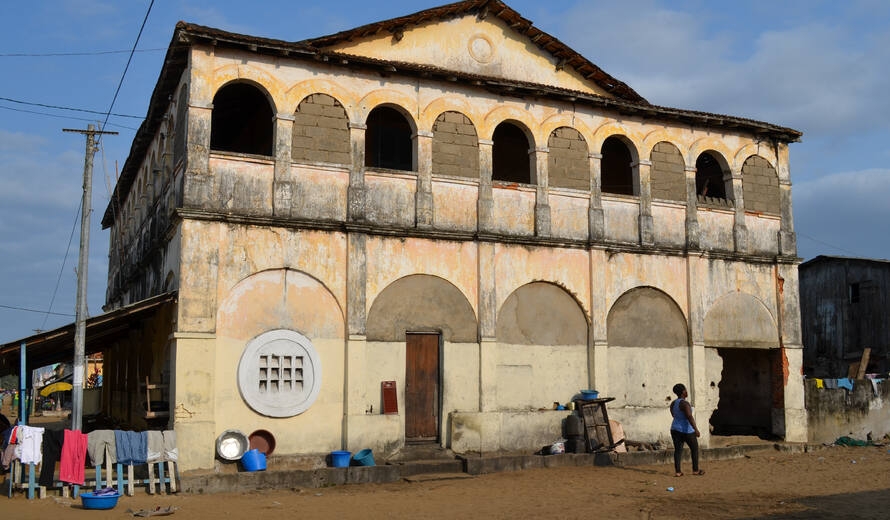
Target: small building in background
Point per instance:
(844, 305)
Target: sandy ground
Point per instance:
(836, 482)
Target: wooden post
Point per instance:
(863, 363)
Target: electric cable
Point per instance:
(126, 68)
(65, 108)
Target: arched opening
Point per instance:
(510, 160)
(568, 163)
(709, 177)
(646, 323)
(744, 334)
(321, 131)
(388, 142)
(455, 146)
(242, 120)
(617, 175)
(668, 178)
(760, 186)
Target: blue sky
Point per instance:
(817, 66)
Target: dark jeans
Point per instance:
(690, 439)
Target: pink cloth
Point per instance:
(74, 455)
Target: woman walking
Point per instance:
(684, 430)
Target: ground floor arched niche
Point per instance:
(743, 333)
(648, 353)
(279, 359)
(421, 334)
(542, 354)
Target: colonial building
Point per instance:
(456, 202)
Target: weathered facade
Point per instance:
(845, 308)
(457, 202)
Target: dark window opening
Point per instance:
(388, 140)
(854, 293)
(242, 121)
(509, 155)
(617, 175)
(709, 177)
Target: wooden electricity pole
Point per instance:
(81, 311)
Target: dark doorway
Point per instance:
(510, 160)
(746, 393)
(617, 174)
(388, 141)
(422, 387)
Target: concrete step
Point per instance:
(428, 477)
(419, 467)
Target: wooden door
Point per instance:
(422, 387)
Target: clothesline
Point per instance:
(35, 445)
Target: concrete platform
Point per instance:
(284, 475)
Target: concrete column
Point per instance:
(194, 359)
(356, 282)
(542, 191)
(787, 237)
(356, 362)
(485, 204)
(282, 186)
(598, 345)
(356, 191)
(692, 230)
(198, 181)
(647, 231)
(791, 341)
(423, 197)
(696, 274)
(739, 229)
(595, 218)
(488, 357)
(199, 278)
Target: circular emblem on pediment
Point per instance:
(481, 49)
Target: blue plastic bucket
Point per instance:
(364, 457)
(254, 460)
(340, 458)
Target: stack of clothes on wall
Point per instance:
(69, 448)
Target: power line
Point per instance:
(35, 310)
(826, 243)
(58, 116)
(126, 68)
(62, 269)
(51, 54)
(44, 105)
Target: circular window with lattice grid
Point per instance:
(279, 374)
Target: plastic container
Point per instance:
(231, 445)
(589, 394)
(94, 501)
(254, 460)
(364, 457)
(340, 458)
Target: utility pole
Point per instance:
(80, 332)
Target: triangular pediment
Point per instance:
(481, 38)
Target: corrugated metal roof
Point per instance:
(57, 345)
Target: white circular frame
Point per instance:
(281, 342)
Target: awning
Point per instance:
(57, 346)
(61, 386)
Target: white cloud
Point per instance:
(813, 76)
